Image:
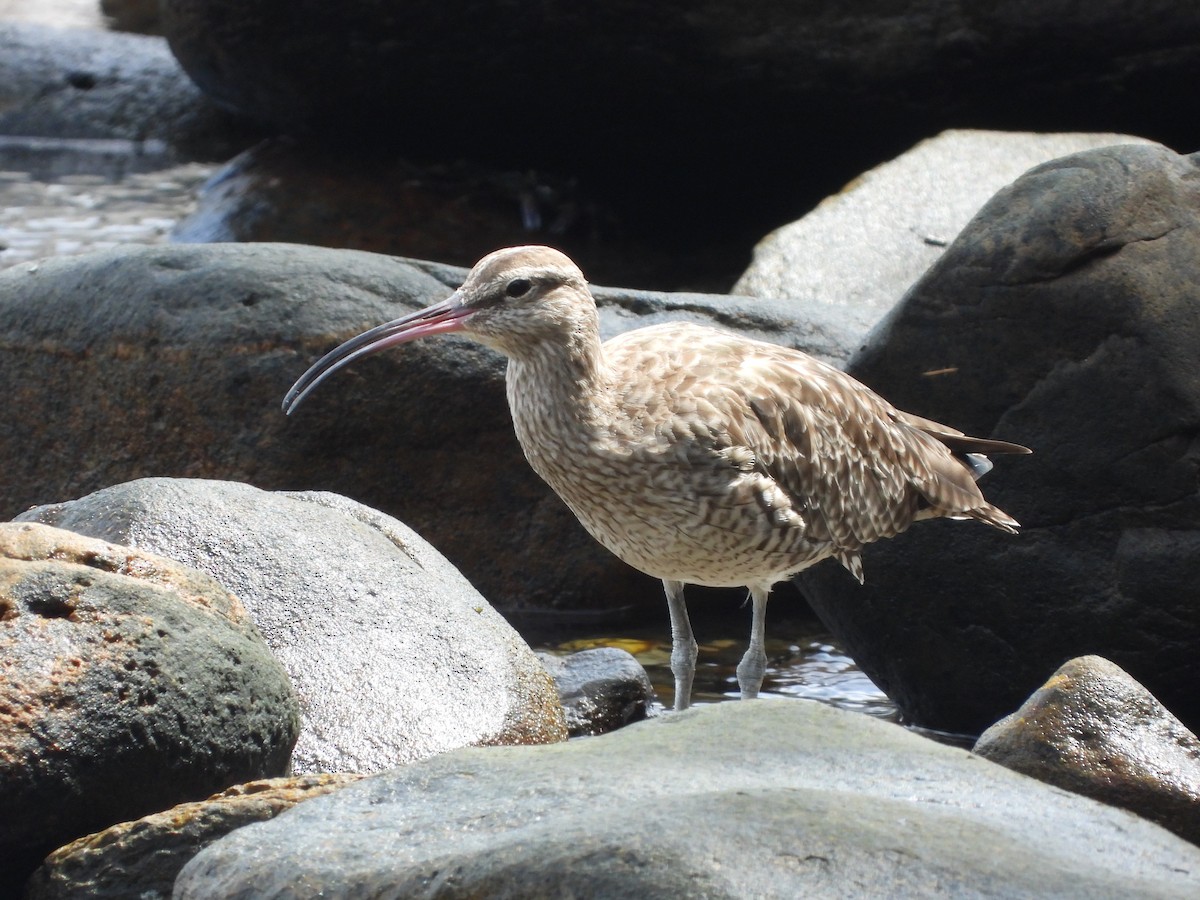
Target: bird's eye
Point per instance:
(518, 287)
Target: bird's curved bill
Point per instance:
(441, 318)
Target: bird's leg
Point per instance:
(753, 666)
(683, 645)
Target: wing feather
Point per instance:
(850, 465)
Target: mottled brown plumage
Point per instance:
(695, 455)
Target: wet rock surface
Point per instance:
(811, 801)
(601, 690)
(128, 683)
(142, 858)
(1063, 318)
(1093, 730)
(394, 656)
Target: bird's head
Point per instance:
(514, 300)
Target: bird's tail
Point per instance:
(951, 494)
(996, 517)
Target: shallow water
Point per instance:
(804, 661)
(68, 214)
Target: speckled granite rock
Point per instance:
(128, 683)
(395, 656)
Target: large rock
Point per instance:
(142, 858)
(650, 94)
(394, 655)
(732, 800)
(174, 360)
(1094, 730)
(84, 83)
(1064, 318)
(864, 246)
(128, 683)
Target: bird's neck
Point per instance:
(557, 389)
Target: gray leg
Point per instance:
(683, 645)
(753, 666)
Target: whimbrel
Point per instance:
(695, 455)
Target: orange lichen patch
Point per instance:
(33, 543)
(241, 804)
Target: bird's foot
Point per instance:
(750, 672)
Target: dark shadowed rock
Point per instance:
(128, 683)
(394, 655)
(1093, 730)
(303, 192)
(174, 360)
(142, 858)
(1064, 318)
(138, 16)
(601, 689)
(766, 799)
(746, 89)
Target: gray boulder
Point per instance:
(94, 84)
(174, 360)
(394, 656)
(142, 858)
(766, 799)
(1064, 318)
(128, 683)
(864, 246)
(1094, 730)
